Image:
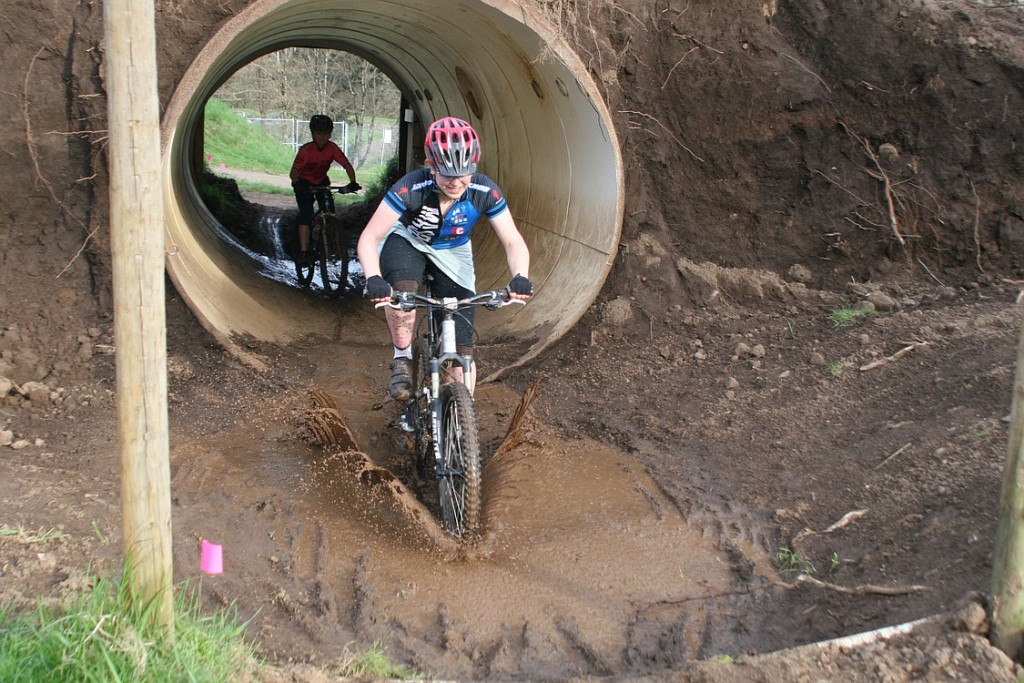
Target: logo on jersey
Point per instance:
(427, 224)
(458, 218)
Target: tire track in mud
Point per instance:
(586, 566)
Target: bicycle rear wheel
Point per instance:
(459, 477)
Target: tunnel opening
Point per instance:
(547, 136)
(255, 123)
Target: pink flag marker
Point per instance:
(211, 560)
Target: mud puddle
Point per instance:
(585, 566)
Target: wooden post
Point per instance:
(1007, 630)
(140, 326)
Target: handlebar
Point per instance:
(339, 189)
(408, 301)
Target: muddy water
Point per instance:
(585, 566)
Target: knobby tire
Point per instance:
(324, 247)
(304, 271)
(419, 408)
(459, 485)
(340, 248)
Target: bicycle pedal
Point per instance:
(405, 422)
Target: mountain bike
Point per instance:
(440, 414)
(328, 243)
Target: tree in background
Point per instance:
(297, 82)
(372, 96)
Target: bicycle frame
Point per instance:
(447, 405)
(323, 195)
(441, 346)
(321, 241)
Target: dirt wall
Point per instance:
(826, 143)
(855, 141)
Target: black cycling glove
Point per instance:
(520, 285)
(353, 187)
(377, 288)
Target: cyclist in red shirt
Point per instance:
(312, 162)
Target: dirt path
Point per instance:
(610, 549)
(715, 467)
(618, 541)
(256, 177)
(353, 542)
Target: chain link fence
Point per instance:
(363, 145)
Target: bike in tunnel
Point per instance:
(253, 125)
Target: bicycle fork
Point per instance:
(448, 354)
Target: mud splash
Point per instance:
(584, 566)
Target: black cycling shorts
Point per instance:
(400, 261)
(304, 198)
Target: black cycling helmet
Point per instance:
(321, 123)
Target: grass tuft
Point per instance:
(844, 317)
(100, 635)
(791, 561)
(20, 535)
(373, 664)
(836, 367)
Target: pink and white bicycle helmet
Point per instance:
(452, 146)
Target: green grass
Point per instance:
(230, 139)
(378, 179)
(287, 191)
(263, 187)
(837, 366)
(100, 636)
(844, 317)
(373, 664)
(25, 537)
(219, 202)
(790, 561)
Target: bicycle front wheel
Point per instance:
(339, 250)
(304, 270)
(324, 247)
(459, 475)
(418, 409)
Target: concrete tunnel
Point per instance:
(547, 137)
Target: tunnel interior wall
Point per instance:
(547, 141)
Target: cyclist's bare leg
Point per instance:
(303, 238)
(457, 373)
(401, 325)
(470, 380)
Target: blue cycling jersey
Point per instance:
(416, 199)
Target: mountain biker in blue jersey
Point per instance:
(309, 169)
(424, 225)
